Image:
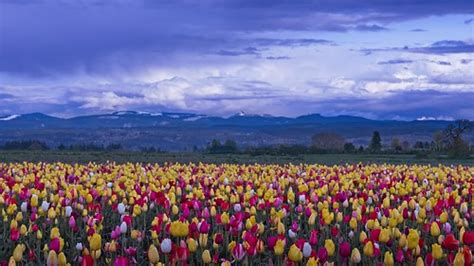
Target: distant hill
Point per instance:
(183, 131)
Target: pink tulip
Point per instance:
(313, 237)
(121, 261)
(72, 222)
(399, 257)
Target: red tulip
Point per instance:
(467, 256)
(468, 238)
(345, 249)
(54, 244)
(313, 237)
(374, 234)
(14, 234)
(87, 260)
(429, 261)
(31, 255)
(323, 254)
(450, 242)
(218, 239)
(238, 252)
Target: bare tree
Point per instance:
(396, 144)
(457, 147)
(328, 141)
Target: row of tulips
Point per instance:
(199, 214)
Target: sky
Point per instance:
(403, 59)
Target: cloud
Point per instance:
(372, 27)
(469, 21)
(246, 51)
(418, 30)
(439, 47)
(395, 62)
(291, 42)
(277, 57)
(443, 63)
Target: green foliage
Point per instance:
(216, 147)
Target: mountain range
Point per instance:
(183, 131)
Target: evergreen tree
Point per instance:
(376, 142)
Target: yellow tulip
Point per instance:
(62, 259)
(153, 255)
(295, 254)
(420, 262)
(312, 262)
(369, 249)
(179, 229)
(436, 251)
(413, 238)
(192, 244)
(353, 223)
(206, 256)
(225, 218)
(312, 218)
(279, 247)
(18, 252)
(95, 242)
(384, 235)
(388, 259)
(355, 256)
(362, 236)
(330, 247)
(443, 218)
(434, 229)
(11, 261)
(52, 259)
(459, 259)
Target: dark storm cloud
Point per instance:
(406, 104)
(49, 38)
(439, 47)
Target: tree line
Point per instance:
(449, 141)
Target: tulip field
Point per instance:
(235, 214)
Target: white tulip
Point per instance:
(237, 207)
(24, 206)
(302, 198)
(79, 246)
(291, 234)
(166, 245)
(123, 227)
(68, 211)
(45, 206)
(121, 208)
(307, 249)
